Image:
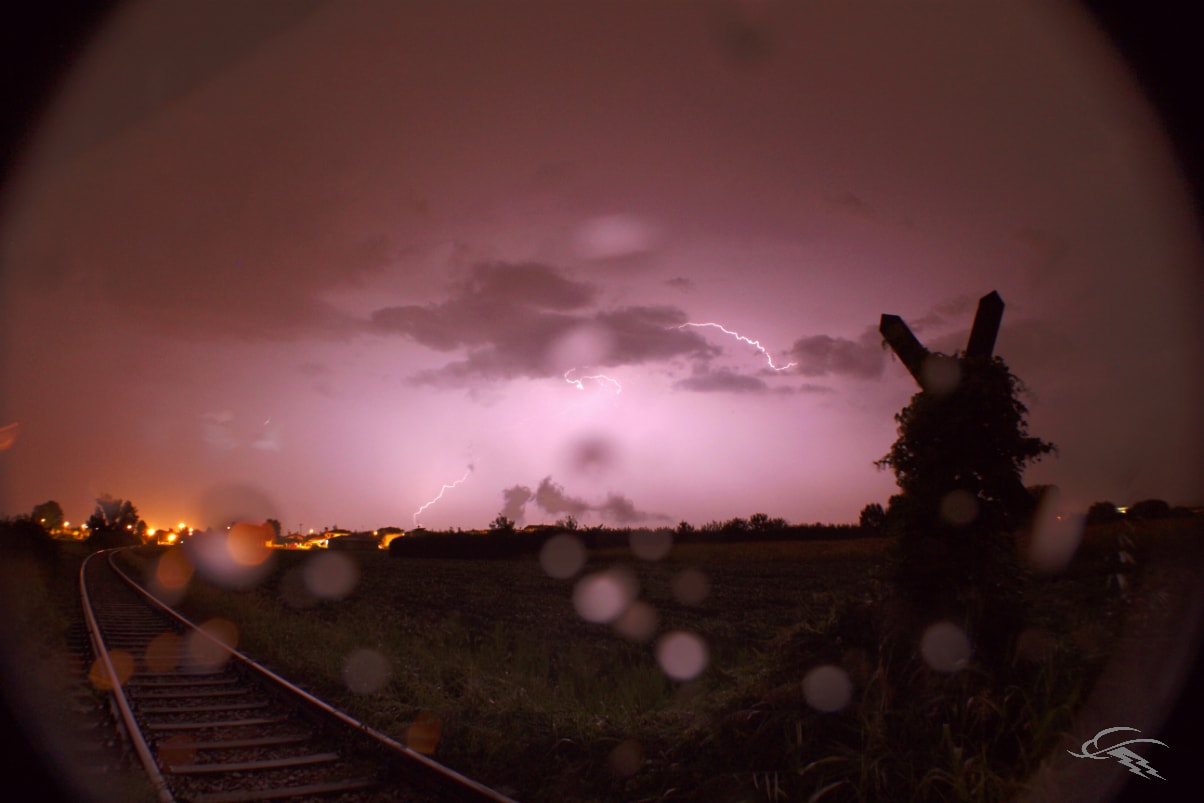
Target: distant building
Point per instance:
(353, 541)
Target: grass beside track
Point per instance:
(489, 664)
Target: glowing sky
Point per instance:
(340, 255)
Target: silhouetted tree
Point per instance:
(275, 525)
(1150, 509)
(958, 461)
(501, 525)
(758, 522)
(1103, 513)
(973, 440)
(49, 514)
(872, 517)
(567, 523)
(25, 539)
(114, 523)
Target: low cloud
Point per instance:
(721, 380)
(824, 355)
(552, 499)
(530, 320)
(515, 502)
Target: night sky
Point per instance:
(319, 260)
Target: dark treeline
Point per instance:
(509, 543)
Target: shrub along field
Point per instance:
(489, 666)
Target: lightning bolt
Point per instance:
(442, 491)
(754, 343)
(600, 378)
(1134, 762)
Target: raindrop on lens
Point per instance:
(945, 647)
(827, 688)
(690, 586)
(638, 622)
(365, 671)
(959, 508)
(330, 575)
(939, 374)
(682, 655)
(651, 545)
(626, 759)
(562, 556)
(603, 596)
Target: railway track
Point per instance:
(211, 726)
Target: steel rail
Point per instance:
(133, 732)
(446, 774)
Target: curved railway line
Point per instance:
(211, 726)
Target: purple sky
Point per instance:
(318, 260)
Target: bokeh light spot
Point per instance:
(330, 575)
(123, 668)
(945, 647)
(638, 622)
(163, 653)
(940, 374)
(210, 648)
(422, 735)
(626, 759)
(1054, 539)
(294, 591)
(171, 575)
(682, 655)
(365, 671)
(959, 508)
(177, 749)
(651, 544)
(603, 596)
(249, 544)
(827, 688)
(8, 436)
(690, 586)
(562, 556)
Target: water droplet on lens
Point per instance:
(365, 671)
(682, 655)
(945, 647)
(562, 556)
(827, 688)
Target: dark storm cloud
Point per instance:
(515, 502)
(680, 283)
(824, 355)
(512, 318)
(618, 509)
(721, 380)
(552, 498)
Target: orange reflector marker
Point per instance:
(123, 666)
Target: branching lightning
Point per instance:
(600, 378)
(754, 343)
(442, 491)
